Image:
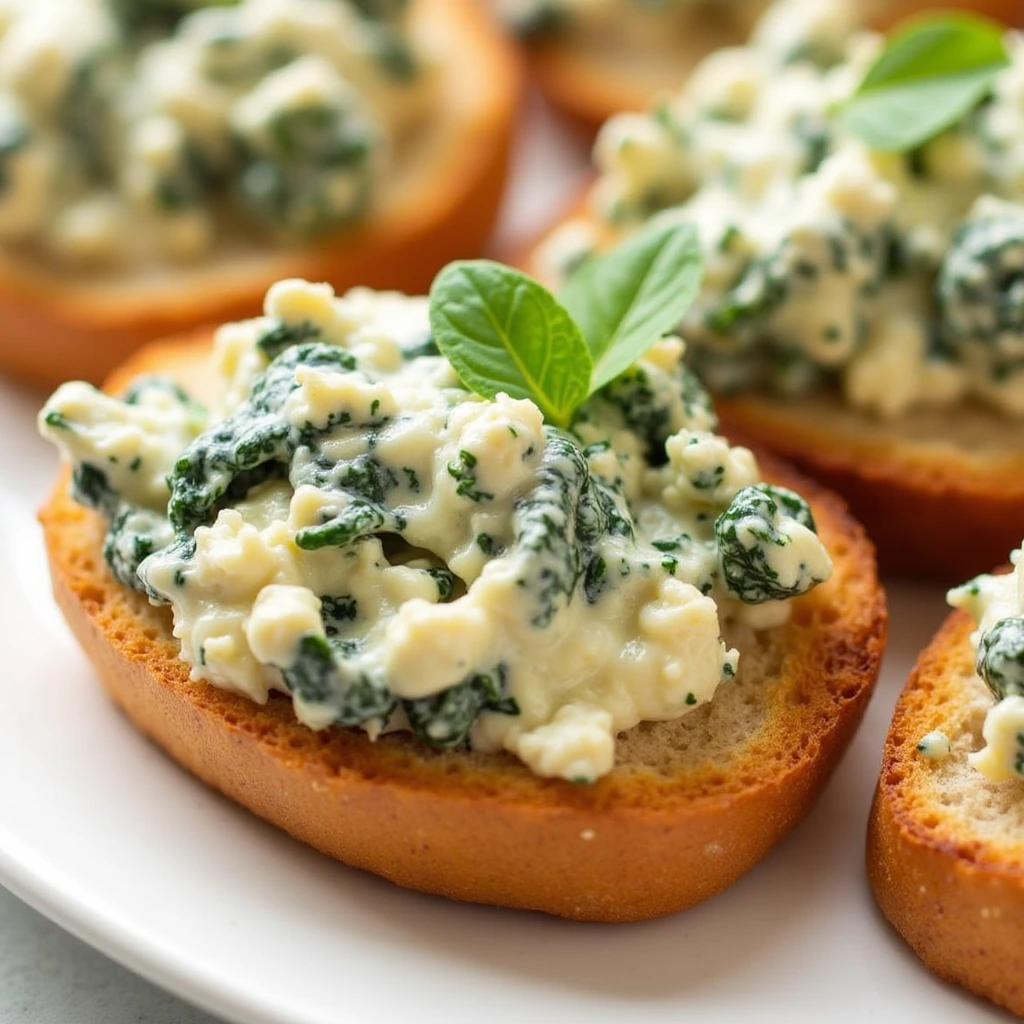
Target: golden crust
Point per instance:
(950, 883)
(590, 85)
(941, 495)
(659, 834)
(55, 325)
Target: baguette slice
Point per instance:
(591, 81)
(691, 805)
(945, 849)
(438, 204)
(940, 493)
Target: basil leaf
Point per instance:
(932, 72)
(626, 299)
(502, 331)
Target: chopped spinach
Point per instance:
(274, 340)
(445, 580)
(134, 534)
(1001, 658)
(90, 486)
(980, 290)
(749, 534)
(254, 442)
(445, 719)
(336, 610)
(464, 472)
(321, 672)
(310, 171)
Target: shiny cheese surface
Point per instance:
(467, 571)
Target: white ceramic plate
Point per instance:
(99, 831)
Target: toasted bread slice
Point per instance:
(592, 80)
(438, 204)
(940, 492)
(945, 849)
(690, 806)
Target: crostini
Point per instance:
(593, 671)
(159, 177)
(945, 850)
(595, 60)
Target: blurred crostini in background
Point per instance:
(162, 164)
(595, 58)
(861, 309)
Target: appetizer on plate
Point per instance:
(466, 591)
(596, 58)
(161, 164)
(859, 203)
(946, 836)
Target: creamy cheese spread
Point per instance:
(133, 130)
(896, 278)
(349, 525)
(997, 605)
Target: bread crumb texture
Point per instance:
(691, 805)
(945, 845)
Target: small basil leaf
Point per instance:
(502, 331)
(626, 299)
(932, 72)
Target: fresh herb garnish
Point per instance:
(933, 70)
(626, 299)
(503, 331)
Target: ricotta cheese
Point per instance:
(829, 265)
(934, 746)
(997, 605)
(347, 524)
(198, 122)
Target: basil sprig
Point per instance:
(932, 71)
(503, 331)
(624, 301)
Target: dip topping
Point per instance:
(139, 131)
(346, 522)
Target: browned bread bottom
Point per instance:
(945, 848)
(690, 806)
